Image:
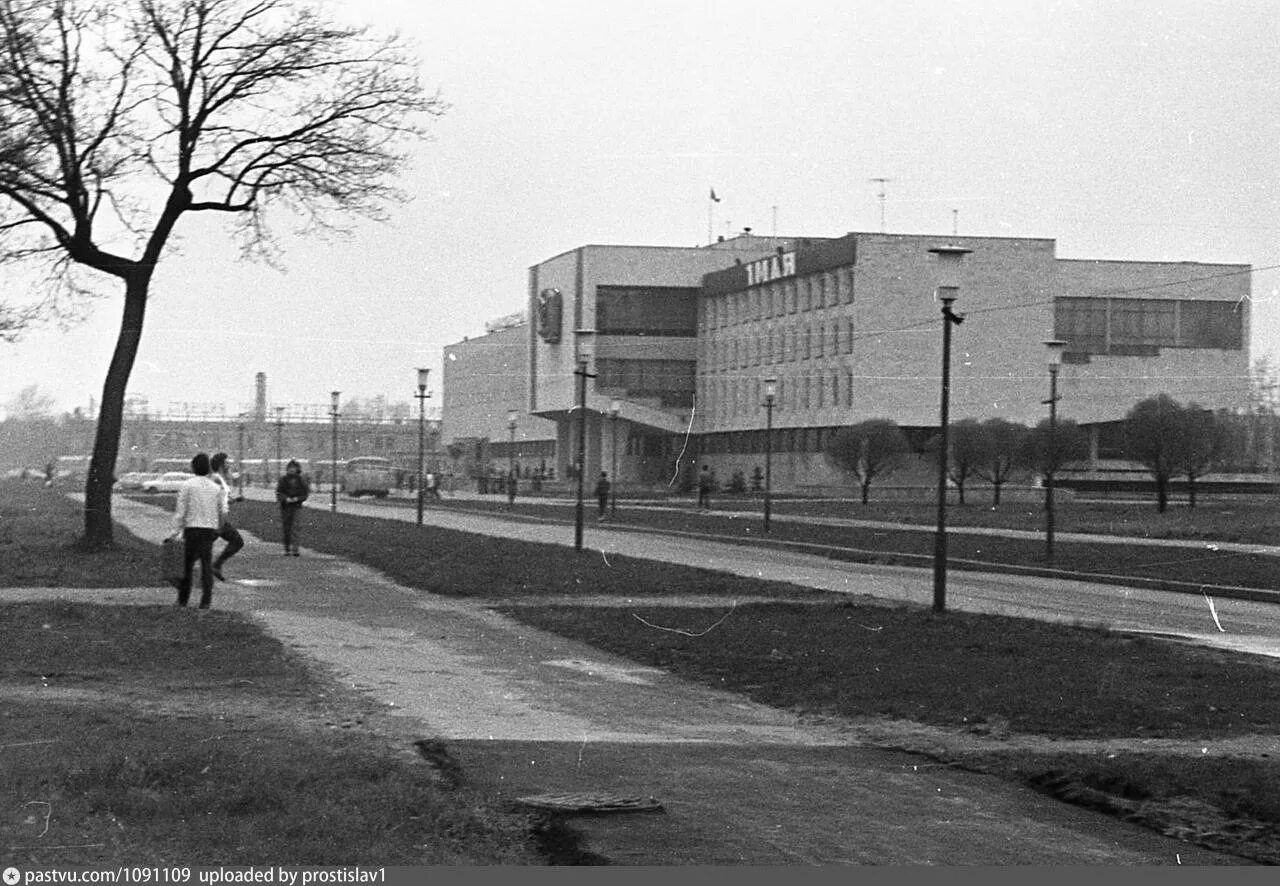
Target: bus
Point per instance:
(367, 475)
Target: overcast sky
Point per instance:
(1136, 129)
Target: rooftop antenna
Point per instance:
(775, 220)
(881, 182)
(955, 222)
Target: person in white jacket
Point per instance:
(228, 533)
(198, 518)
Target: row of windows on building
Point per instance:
(731, 398)
(808, 340)
(1140, 327)
(810, 440)
(671, 382)
(780, 298)
(647, 310)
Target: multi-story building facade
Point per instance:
(486, 423)
(640, 304)
(677, 344)
(851, 330)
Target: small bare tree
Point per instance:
(119, 117)
(968, 452)
(1152, 435)
(1047, 447)
(1004, 445)
(868, 450)
(1201, 442)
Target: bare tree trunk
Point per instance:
(106, 445)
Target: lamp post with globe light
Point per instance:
(947, 291)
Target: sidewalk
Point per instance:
(526, 712)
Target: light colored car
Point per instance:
(135, 480)
(167, 482)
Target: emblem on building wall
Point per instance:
(550, 308)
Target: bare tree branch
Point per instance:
(118, 117)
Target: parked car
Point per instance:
(167, 482)
(135, 480)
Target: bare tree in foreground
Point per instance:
(119, 117)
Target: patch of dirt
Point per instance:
(994, 749)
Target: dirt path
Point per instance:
(525, 713)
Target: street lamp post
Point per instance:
(333, 487)
(584, 340)
(279, 439)
(422, 396)
(511, 453)
(948, 290)
(615, 407)
(770, 395)
(1055, 360)
(240, 461)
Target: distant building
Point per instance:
(259, 438)
(642, 302)
(679, 342)
(485, 385)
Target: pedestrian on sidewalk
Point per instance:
(291, 491)
(198, 517)
(228, 533)
(705, 482)
(603, 486)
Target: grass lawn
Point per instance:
(150, 735)
(824, 655)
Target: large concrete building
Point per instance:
(672, 347)
(486, 423)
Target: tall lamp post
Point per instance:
(512, 417)
(240, 460)
(1055, 360)
(422, 396)
(585, 341)
(770, 395)
(333, 487)
(948, 290)
(279, 439)
(615, 407)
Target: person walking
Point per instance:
(704, 487)
(228, 533)
(603, 486)
(198, 517)
(291, 491)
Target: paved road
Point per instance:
(527, 712)
(1241, 625)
